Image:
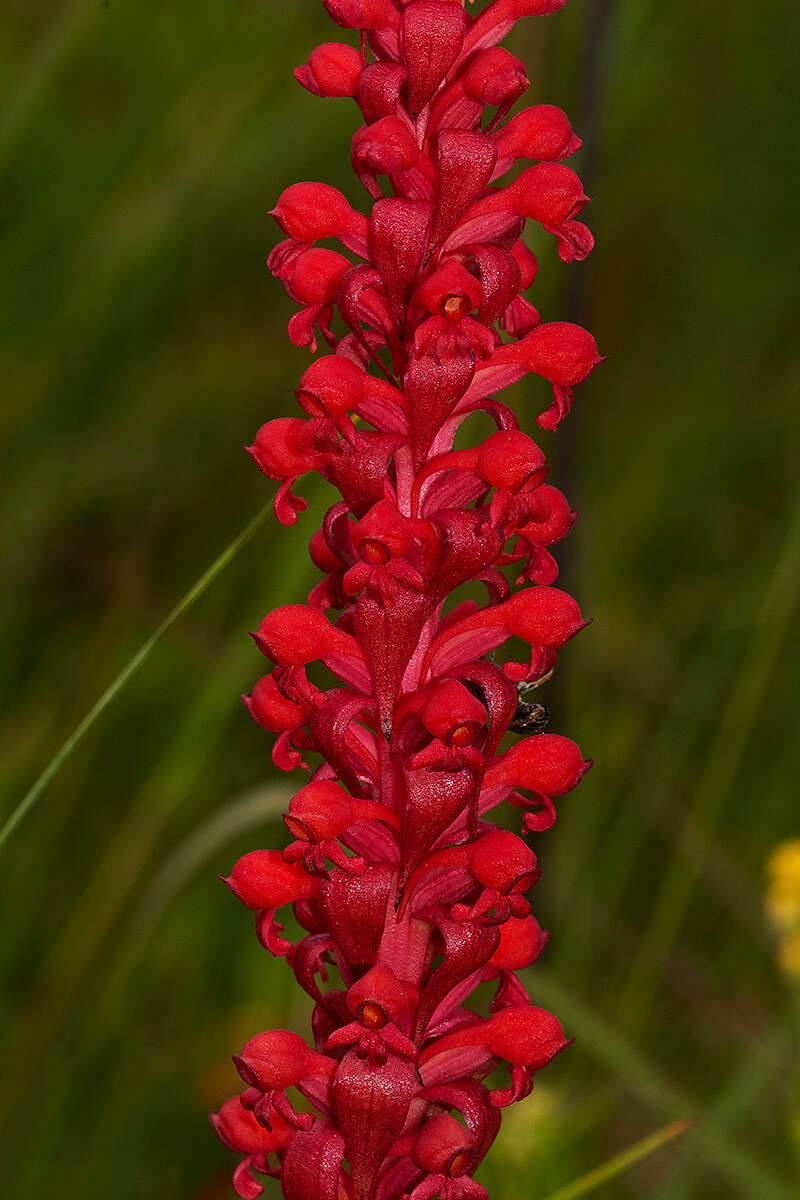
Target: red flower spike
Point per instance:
(407, 897)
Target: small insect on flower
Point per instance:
(529, 716)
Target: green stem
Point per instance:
(726, 1153)
(128, 671)
(620, 1162)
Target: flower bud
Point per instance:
(509, 459)
(279, 1059)
(495, 77)
(332, 70)
(362, 14)
(262, 880)
(525, 1035)
(444, 1147)
(501, 861)
(296, 634)
(313, 277)
(320, 810)
(521, 942)
(542, 132)
(307, 212)
(453, 714)
(272, 710)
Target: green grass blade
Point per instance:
(718, 776)
(128, 671)
(621, 1162)
(728, 1154)
(248, 811)
(744, 1093)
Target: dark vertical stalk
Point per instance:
(593, 75)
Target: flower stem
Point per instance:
(621, 1162)
(67, 748)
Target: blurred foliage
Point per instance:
(142, 341)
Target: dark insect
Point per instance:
(529, 718)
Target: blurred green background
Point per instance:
(142, 341)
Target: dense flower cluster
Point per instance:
(401, 886)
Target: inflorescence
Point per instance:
(402, 887)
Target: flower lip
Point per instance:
(310, 403)
(249, 1076)
(465, 733)
(525, 881)
(298, 829)
(462, 1162)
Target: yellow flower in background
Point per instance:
(782, 903)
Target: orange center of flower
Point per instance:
(310, 403)
(459, 1164)
(374, 552)
(455, 307)
(372, 1015)
(297, 828)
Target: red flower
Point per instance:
(395, 876)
